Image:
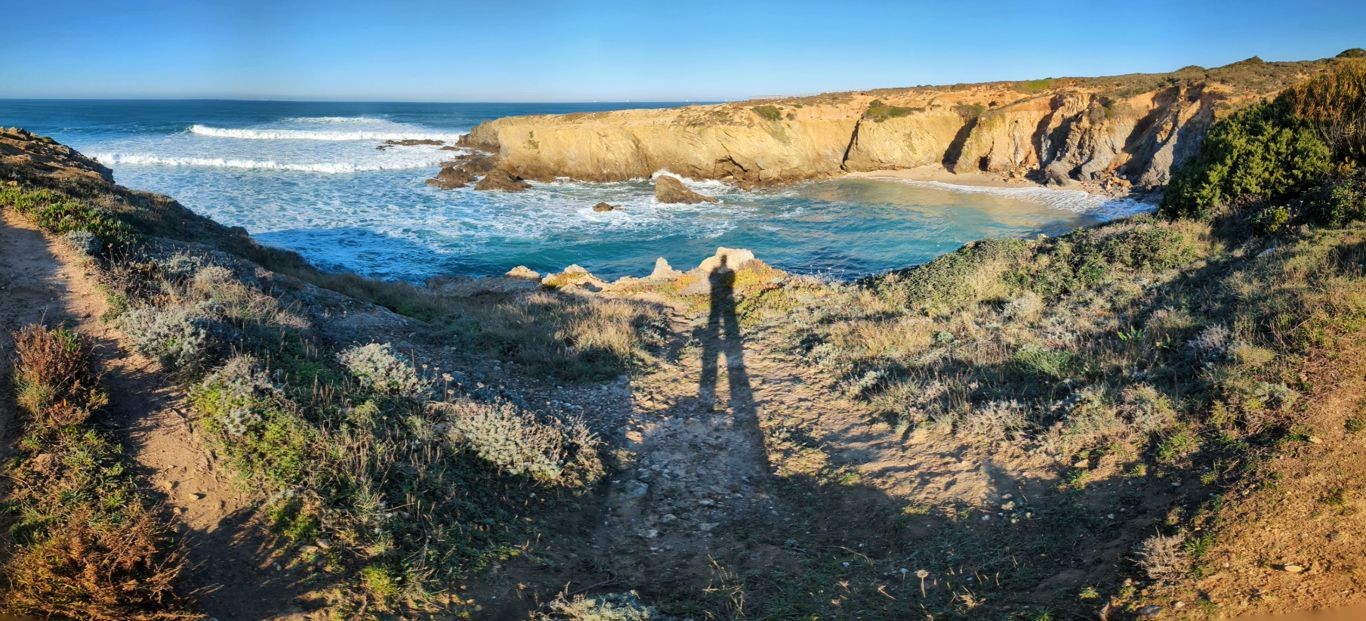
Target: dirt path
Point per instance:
(30, 291)
(707, 490)
(1295, 543)
(45, 281)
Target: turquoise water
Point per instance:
(308, 177)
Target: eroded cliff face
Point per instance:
(702, 142)
(1118, 132)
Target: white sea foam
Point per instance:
(251, 164)
(712, 186)
(1076, 201)
(334, 120)
(309, 134)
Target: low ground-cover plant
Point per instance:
(59, 215)
(562, 336)
(768, 112)
(336, 460)
(561, 453)
(377, 368)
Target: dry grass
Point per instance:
(95, 567)
(1164, 558)
(55, 380)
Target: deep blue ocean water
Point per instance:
(309, 177)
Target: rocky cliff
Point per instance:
(1117, 131)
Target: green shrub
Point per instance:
(967, 275)
(1334, 105)
(1261, 152)
(878, 111)
(768, 112)
(1036, 86)
(253, 421)
(59, 215)
(1335, 202)
(969, 111)
(1085, 258)
(177, 335)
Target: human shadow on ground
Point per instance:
(721, 336)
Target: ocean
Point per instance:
(308, 176)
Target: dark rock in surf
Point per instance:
(499, 180)
(462, 171)
(671, 190)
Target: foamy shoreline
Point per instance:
(1076, 197)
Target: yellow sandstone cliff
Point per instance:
(1117, 131)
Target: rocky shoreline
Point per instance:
(576, 279)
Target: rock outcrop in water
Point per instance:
(1118, 131)
(463, 170)
(670, 190)
(502, 181)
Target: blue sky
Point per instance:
(644, 50)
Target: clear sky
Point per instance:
(642, 50)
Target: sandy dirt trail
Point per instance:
(42, 280)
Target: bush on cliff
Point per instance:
(1262, 152)
(1306, 142)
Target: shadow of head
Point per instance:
(722, 277)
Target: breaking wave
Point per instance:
(332, 168)
(310, 134)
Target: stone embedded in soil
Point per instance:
(634, 489)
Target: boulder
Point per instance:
(451, 177)
(664, 271)
(574, 276)
(499, 180)
(601, 207)
(671, 190)
(734, 258)
(522, 271)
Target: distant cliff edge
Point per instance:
(1113, 133)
